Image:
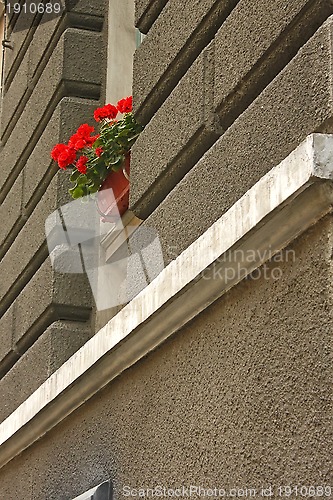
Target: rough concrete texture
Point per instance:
(29, 241)
(294, 105)
(255, 43)
(48, 296)
(50, 351)
(6, 329)
(10, 210)
(26, 32)
(188, 126)
(240, 398)
(186, 36)
(68, 63)
(238, 77)
(19, 39)
(146, 12)
(98, 8)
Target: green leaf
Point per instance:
(76, 192)
(74, 176)
(115, 160)
(82, 180)
(93, 189)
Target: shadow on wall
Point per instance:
(74, 239)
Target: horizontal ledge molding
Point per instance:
(283, 204)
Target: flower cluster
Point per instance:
(94, 156)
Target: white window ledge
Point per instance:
(119, 233)
(284, 203)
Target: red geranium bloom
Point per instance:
(82, 137)
(99, 151)
(92, 139)
(125, 105)
(77, 142)
(81, 164)
(106, 112)
(85, 130)
(57, 150)
(64, 155)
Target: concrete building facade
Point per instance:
(217, 375)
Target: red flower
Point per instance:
(82, 138)
(125, 105)
(64, 155)
(85, 130)
(57, 150)
(92, 139)
(99, 151)
(81, 164)
(106, 112)
(77, 142)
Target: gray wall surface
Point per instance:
(240, 397)
(50, 88)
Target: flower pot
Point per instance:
(113, 196)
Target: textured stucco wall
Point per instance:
(198, 76)
(238, 398)
(2, 30)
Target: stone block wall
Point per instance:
(54, 77)
(203, 82)
(241, 396)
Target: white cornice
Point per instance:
(284, 203)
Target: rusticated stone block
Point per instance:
(22, 83)
(18, 39)
(255, 43)
(10, 209)
(67, 64)
(38, 170)
(6, 332)
(28, 36)
(12, 97)
(238, 76)
(146, 12)
(297, 103)
(186, 122)
(49, 296)
(30, 239)
(51, 350)
(157, 72)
